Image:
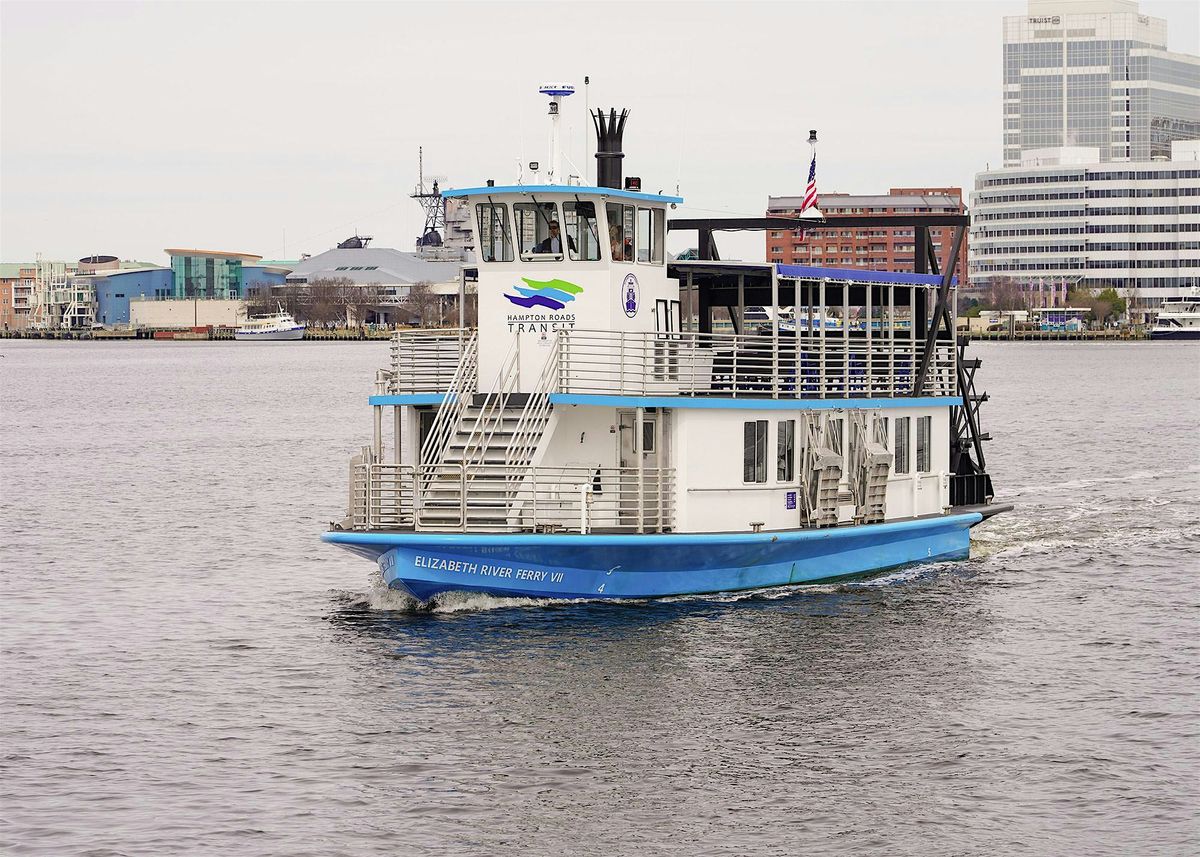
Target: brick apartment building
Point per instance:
(873, 249)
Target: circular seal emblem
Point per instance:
(631, 295)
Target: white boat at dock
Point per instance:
(276, 327)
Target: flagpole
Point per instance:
(810, 191)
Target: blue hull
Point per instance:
(648, 566)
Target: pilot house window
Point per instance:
(539, 233)
(495, 245)
(582, 231)
(620, 231)
(650, 231)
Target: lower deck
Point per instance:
(604, 464)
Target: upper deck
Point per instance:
(849, 334)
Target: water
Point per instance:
(186, 669)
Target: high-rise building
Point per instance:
(877, 249)
(1098, 74)
(1064, 222)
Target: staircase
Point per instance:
(970, 483)
(475, 482)
(820, 473)
(870, 463)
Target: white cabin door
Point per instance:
(635, 496)
(668, 322)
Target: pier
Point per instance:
(1121, 334)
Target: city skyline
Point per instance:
(231, 127)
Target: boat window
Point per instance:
(901, 450)
(647, 435)
(495, 243)
(924, 433)
(620, 231)
(582, 230)
(754, 451)
(650, 228)
(539, 233)
(785, 451)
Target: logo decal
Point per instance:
(630, 295)
(551, 294)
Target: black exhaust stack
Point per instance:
(609, 130)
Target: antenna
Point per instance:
(557, 92)
(432, 204)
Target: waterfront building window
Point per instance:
(924, 431)
(901, 449)
(538, 234)
(754, 451)
(495, 242)
(650, 232)
(785, 451)
(582, 230)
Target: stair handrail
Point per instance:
(495, 402)
(454, 402)
(857, 455)
(527, 433)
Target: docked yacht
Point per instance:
(275, 327)
(1178, 317)
(595, 438)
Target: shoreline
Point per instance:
(187, 335)
(383, 335)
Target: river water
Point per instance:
(186, 669)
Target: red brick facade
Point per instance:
(872, 249)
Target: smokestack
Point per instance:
(609, 130)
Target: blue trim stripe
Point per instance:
(409, 399)
(715, 403)
(341, 537)
(561, 188)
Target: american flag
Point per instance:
(810, 193)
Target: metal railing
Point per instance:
(808, 366)
(427, 361)
(456, 397)
(503, 499)
(528, 433)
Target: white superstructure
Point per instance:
(1178, 318)
(1063, 221)
(276, 327)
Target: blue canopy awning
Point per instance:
(856, 275)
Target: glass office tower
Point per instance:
(1095, 73)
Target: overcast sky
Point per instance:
(280, 128)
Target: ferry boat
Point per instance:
(278, 326)
(593, 438)
(1178, 317)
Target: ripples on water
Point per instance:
(187, 670)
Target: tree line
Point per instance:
(1007, 293)
(339, 301)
